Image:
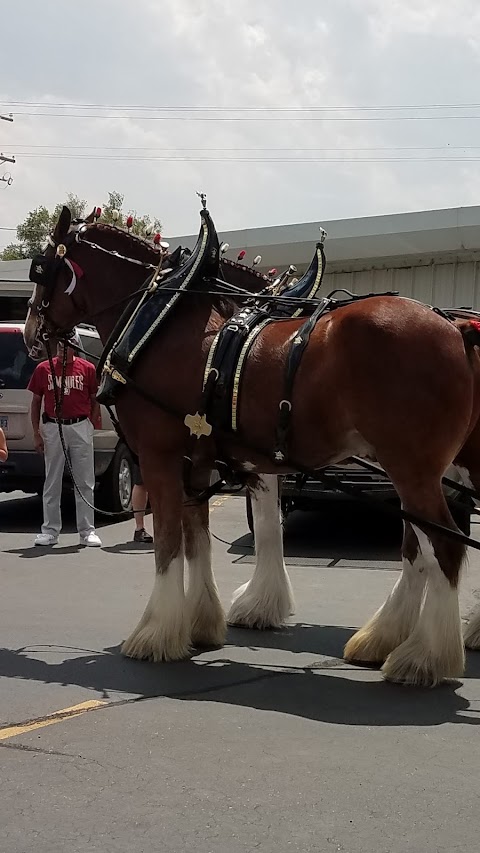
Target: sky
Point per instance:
(277, 149)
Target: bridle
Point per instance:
(45, 268)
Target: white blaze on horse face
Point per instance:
(434, 650)
(266, 601)
(163, 632)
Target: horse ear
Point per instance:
(91, 216)
(62, 226)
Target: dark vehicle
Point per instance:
(312, 494)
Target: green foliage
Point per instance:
(13, 252)
(76, 206)
(140, 223)
(32, 233)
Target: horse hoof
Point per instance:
(412, 665)
(148, 643)
(210, 633)
(367, 647)
(250, 609)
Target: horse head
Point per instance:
(89, 270)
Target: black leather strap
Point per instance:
(227, 352)
(298, 344)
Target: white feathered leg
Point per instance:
(395, 620)
(266, 601)
(163, 632)
(208, 626)
(434, 650)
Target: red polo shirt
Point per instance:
(80, 386)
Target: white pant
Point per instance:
(79, 443)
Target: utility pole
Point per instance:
(6, 178)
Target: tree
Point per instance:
(32, 233)
(12, 252)
(140, 223)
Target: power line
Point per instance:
(257, 108)
(239, 148)
(193, 159)
(242, 118)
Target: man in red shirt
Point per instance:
(80, 411)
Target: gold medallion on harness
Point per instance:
(197, 424)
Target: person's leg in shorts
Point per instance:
(139, 505)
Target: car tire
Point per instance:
(116, 485)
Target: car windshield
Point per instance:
(16, 367)
(91, 347)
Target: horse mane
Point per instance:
(133, 244)
(249, 272)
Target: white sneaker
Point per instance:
(46, 539)
(91, 540)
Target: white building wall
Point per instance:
(444, 285)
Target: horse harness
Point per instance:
(153, 303)
(228, 355)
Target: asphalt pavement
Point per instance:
(271, 743)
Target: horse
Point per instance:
(384, 377)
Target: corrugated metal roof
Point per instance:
(356, 243)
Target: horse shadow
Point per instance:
(329, 535)
(328, 690)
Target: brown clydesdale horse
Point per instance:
(384, 377)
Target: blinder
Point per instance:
(43, 270)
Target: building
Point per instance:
(429, 255)
(433, 256)
(15, 289)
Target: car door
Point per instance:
(16, 368)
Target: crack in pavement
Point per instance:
(21, 747)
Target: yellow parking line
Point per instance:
(221, 500)
(57, 717)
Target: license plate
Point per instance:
(3, 422)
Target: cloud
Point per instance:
(252, 54)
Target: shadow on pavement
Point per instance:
(35, 551)
(24, 515)
(326, 691)
(332, 534)
(129, 547)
